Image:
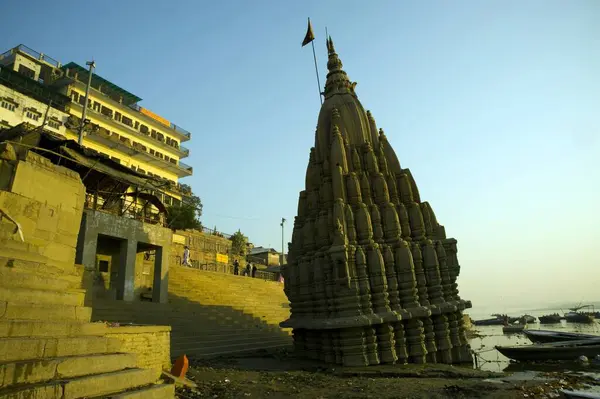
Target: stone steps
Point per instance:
(99, 385)
(24, 278)
(33, 311)
(36, 328)
(41, 370)
(71, 297)
(35, 266)
(156, 391)
(24, 348)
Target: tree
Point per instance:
(238, 243)
(187, 215)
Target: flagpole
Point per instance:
(317, 70)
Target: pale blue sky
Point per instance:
(494, 106)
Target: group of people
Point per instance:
(249, 270)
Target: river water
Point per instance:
(490, 359)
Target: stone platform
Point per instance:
(371, 275)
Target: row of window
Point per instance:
(30, 113)
(96, 106)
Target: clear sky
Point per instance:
(494, 106)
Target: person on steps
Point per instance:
(236, 267)
(186, 257)
(248, 269)
(254, 268)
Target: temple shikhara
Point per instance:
(371, 275)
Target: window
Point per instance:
(116, 159)
(136, 125)
(106, 111)
(126, 121)
(144, 129)
(103, 266)
(32, 115)
(117, 116)
(160, 136)
(81, 100)
(75, 96)
(8, 104)
(151, 151)
(96, 106)
(153, 134)
(54, 124)
(30, 73)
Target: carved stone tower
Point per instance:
(371, 276)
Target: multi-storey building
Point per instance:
(116, 125)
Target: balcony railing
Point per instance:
(186, 167)
(173, 126)
(166, 146)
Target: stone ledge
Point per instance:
(137, 329)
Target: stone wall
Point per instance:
(151, 345)
(203, 249)
(47, 202)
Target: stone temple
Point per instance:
(371, 276)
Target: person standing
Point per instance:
(186, 257)
(254, 268)
(236, 267)
(248, 269)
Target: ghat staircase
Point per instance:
(48, 346)
(210, 313)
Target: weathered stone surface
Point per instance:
(371, 276)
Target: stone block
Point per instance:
(164, 391)
(107, 383)
(30, 295)
(12, 349)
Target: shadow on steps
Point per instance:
(199, 330)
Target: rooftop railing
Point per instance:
(171, 125)
(36, 55)
(185, 166)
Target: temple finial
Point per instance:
(330, 47)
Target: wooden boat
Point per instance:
(579, 394)
(527, 319)
(496, 321)
(550, 319)
(566, 350)
(513, 328)
(545, 336)
(579, 317)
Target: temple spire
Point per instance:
(337, 79)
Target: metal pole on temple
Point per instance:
(92, 65)
(310, 38)
(282, 245)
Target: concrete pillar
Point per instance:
(160, 286)
(126, 274)
(87, 243)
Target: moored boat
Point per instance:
(579, 317)
(550, 319)
(496, 321)
(527, 319)
(568, 350)
(546, 336)
(513, 328)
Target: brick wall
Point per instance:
(151, 344)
